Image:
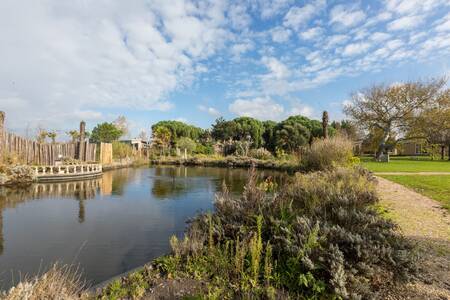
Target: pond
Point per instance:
(109, 225)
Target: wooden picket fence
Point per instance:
(34, 153)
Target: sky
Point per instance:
(66, 61)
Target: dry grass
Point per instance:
(60, 282)
(326, 154)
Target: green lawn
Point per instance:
(436, 187)
(406, 164)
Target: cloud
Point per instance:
(259, 108)
(355, 49)
(64, 57)
(271, 8)
(301, 109)
(311, 33)
(280, 34)
(404, 23)
(379, 36)
(210, 110)
(346, 16)
(277, 69)
(299, 16)
(444, 25)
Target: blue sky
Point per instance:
(63, 61)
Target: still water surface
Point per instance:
(107, 225)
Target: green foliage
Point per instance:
(105, 133)
(290, 135)
(239, 129)
(186, 143)
(179, 129)
(121, 150)
(320, 238)
(269, 135)
(206, 149)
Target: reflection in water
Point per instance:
(119, 220)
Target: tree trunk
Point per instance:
(382, 145)
(442, 152)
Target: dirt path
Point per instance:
(424, 221)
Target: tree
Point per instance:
(41, 135)
(105, 133)
(52, 135)
(290, 135)
(186, 143)
(239, 129)
(269, 135)
(122, 124)
(143, 135)
(391, 108)
(347, 128)
(433, 123)
(325, 124)
(161, 138)
(179, 129)
(74, 135)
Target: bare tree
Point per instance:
(392, 108)
(122, 124)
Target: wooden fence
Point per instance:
(34, 153)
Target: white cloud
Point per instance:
(336, 40)
(259, 108)
(299, 16)
(238, 49)
(311, 33)
(239, 17)
(379, 36)
(355, 49)
(277, 69)
(280, 34)
(346, 16)
(301, 109)
(413, 6)
(444, 25)
(210, 110)
(270, 8)
(72, 57)
(404, 23)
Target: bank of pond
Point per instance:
(251, 234)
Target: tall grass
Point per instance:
(59, 282)
(325, 154)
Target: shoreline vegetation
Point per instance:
(319, 236)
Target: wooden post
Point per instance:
(81, 148)
(2, 134)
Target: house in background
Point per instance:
(411, 148)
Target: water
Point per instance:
(107, 225)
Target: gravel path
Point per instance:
(424, 221)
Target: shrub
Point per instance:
(206, 149)
(318, 238)
(326, 154)
(19, 174)
(260, 153)
(121, 150)
(186, 143)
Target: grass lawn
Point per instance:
(436, 187)
(406, 164)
